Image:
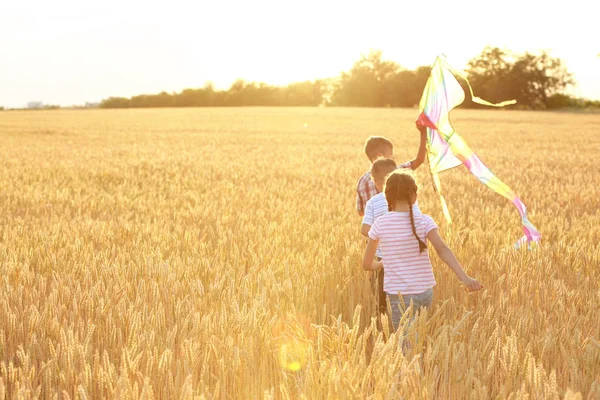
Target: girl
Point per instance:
(375, 208)
(403, 234)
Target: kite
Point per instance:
(446, 149)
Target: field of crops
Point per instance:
(216, 253)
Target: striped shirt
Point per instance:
(375, 208)
(406, 270)
(365, 188)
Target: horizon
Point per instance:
(68, 53)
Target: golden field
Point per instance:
(215, 253)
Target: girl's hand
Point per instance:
(377, 265)
(472, 284)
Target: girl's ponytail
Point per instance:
(401, 185)
(422, 245)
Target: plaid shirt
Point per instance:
(365, 188)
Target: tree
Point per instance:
(488, 75)
(302, 94)
(536, 78)
(535, 81)
(364, 85)
(404, 88)
(235, 94)
(115, 102)
(531, 79)
(560, 100)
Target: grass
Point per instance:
(215, 253)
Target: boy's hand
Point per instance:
(421, 128)
(377, 265)
(472, 284)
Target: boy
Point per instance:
(378, 147)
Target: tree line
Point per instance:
(536, 81)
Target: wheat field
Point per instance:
(216, 254)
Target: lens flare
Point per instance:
(291, 341)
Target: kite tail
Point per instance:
(532, 235)
(474, 98)
(487, 177)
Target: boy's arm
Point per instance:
(359, 203)
(416, 163)
(364, 229)
(368, 219)
(361, 213)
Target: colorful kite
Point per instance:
(446, 149)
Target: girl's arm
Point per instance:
(368, 263)
(448, 257)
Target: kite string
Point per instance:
(436, 182)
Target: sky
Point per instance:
(67, 52)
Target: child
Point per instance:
(376, 147)
(403, 234)
(376, 207)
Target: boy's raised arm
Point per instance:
(416, 163)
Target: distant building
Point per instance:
(91, 105)
(35, 105)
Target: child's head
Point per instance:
(379, 146)
(381, 168)
(401, 188)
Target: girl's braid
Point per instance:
(422, 245)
